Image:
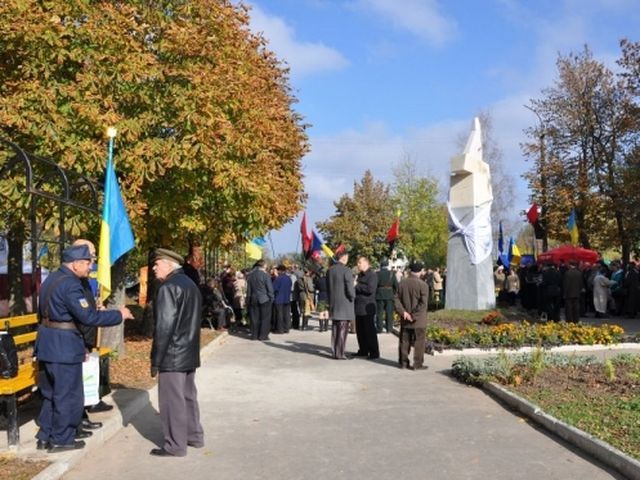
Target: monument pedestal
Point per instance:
(469, 286)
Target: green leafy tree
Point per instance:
(423, 217)
(361, 221)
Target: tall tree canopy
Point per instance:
(423, 217)
(589, 138)
(209, 144)
(362, 220)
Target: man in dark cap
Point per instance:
(411, 304)
(386, 291)
(282, 300)
(175, 355)
(60, 348)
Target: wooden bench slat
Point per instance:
(25, 338)
(26, 378)
(20, 321)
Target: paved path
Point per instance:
(284, 410)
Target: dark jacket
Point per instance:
(552, 282)
(573, 283)
(320, 283)
(387, 285)
(341, 292)
(413, 297)
(178, 315)
(259, 287)
(366, 286)
(282, 289)
(64, 299)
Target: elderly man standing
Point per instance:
(259, 300)
(411, 304)
(60, 348)
(175, 355)
(341, 292)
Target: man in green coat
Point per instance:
(385, 293)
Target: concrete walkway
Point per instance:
(284, 410)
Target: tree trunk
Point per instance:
(113, 337)
(15, 240)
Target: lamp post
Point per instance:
(543, 180)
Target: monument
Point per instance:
(469, 261)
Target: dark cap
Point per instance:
(78, 252)
(416, 267)
(166, 254)
(384, 262)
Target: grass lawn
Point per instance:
(601, 399)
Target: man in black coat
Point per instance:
(573, 285)
(175, 355)
(631, 285)
(385, 293)
(341, 293)
(260, 300)
(365, 308)
(552, 292)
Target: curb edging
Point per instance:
(598, 449)
(111, 426)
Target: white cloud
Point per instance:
(421, 18)
(304, 58)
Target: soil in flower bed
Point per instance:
(601, 399)
(133, 371)
(17, 469)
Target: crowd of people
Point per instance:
(579, 289)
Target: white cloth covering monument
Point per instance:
(469, 261)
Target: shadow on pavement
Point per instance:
(147, 420)
(301, 347)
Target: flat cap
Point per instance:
(77, 252)
(166, 254)
(416, 267)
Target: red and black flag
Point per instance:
(306, 236)
(393, 234)
(533, 215)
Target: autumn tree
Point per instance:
(586, 128)
(423, 216)
(361, 220)
(209, 144)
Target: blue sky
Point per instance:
(382, 79)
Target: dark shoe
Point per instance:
(421, 367)
(160, 452)
(195, 445)
(42, 445)
(80, 434)
(373, 357)
(360, 354)
(89, 425)
(100, 407)
(77, 445)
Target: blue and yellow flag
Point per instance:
(253, 248)
(116, 236)
(572, 225)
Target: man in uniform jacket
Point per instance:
(572, 287)
(385, 293)
(60, 348)
(365, 307)
(175, 355)
(411, 304)
(259, 300)
(341, 293)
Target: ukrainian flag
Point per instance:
(253, 248)
(572, 225)
(116, 236)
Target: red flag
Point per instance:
(341, 248)
(532, 214)
(306, 237)
(394, 231)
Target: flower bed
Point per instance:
(596, 396)
(515, 335)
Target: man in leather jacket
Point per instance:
(175, 355)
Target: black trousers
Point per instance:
(367, 336)
(295, 315)
(385, 314)
(572, 309)
(412, 337)
(260, 316)
(552, 307)
(283, 318)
